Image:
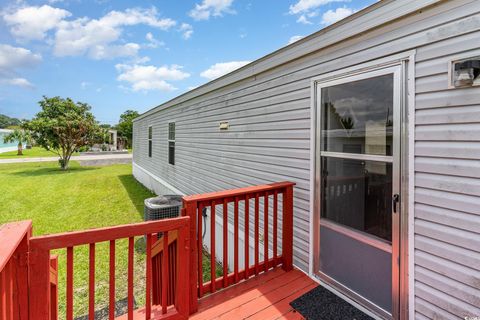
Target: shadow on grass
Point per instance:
(50, 171)
(136, 192)
(140, 245)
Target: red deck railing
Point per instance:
(164, 272)
(242, 200)
(14, 239)
(174, 272)
(40, 248)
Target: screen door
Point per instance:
(358, 170)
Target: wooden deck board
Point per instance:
(265, 297)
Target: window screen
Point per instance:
(171, 143)
(150, 135)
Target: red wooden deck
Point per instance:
(264, 297)
(174, 289)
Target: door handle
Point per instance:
(395, 200)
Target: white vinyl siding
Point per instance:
(269, 140)
(447, 182)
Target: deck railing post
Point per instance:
(190, 210)
(20, 299)
(184, 292)
(54, 287)
(287, 230)
(39, 288)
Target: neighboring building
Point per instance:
(110, 145)
(377, 120)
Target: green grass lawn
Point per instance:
(29, 153)
(81, 198)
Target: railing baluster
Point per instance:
(225, 243)
(130, 278)
(275, 226)
(53, 287)
(172, 249)
(213, 265)
(265, 233)
(235, 237)
(111, 305)
(165, 273)
(8, 290)
(21, 282)
(91, 283)
(148, 279)
(156, 279)
(257, 222)
(200, 249)
(247, 237)
(69, 283)
(39, 286)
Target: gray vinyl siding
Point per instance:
(447, 182)
(269, 140)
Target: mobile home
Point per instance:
(377, 120)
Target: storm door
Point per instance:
(357, 177)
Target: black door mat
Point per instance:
(321, 304)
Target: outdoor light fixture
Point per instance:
(466, 73)
(224, 125)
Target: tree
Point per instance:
(125, 126)
(7, 122)
(19, 136)
(63, 126)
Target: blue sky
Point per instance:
(118, 54)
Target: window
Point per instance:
(171, 142)
(150, 141)
(356, 155)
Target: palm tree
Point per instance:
(20, 136)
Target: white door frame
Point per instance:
(406, 61)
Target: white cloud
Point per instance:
(187, 30)
(303, 19)
(208, 8)
(149, 36)
(131, 17)
(295, 39)
(303, 6)
(146, 78)
(152, 42)
(32, 23)
(16, 57)
(331, 16)
(140, 60)
(222, 68)
(18, 82)
(95, 38)
(12, 59)
(84, 84)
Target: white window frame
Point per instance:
(171, 141)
